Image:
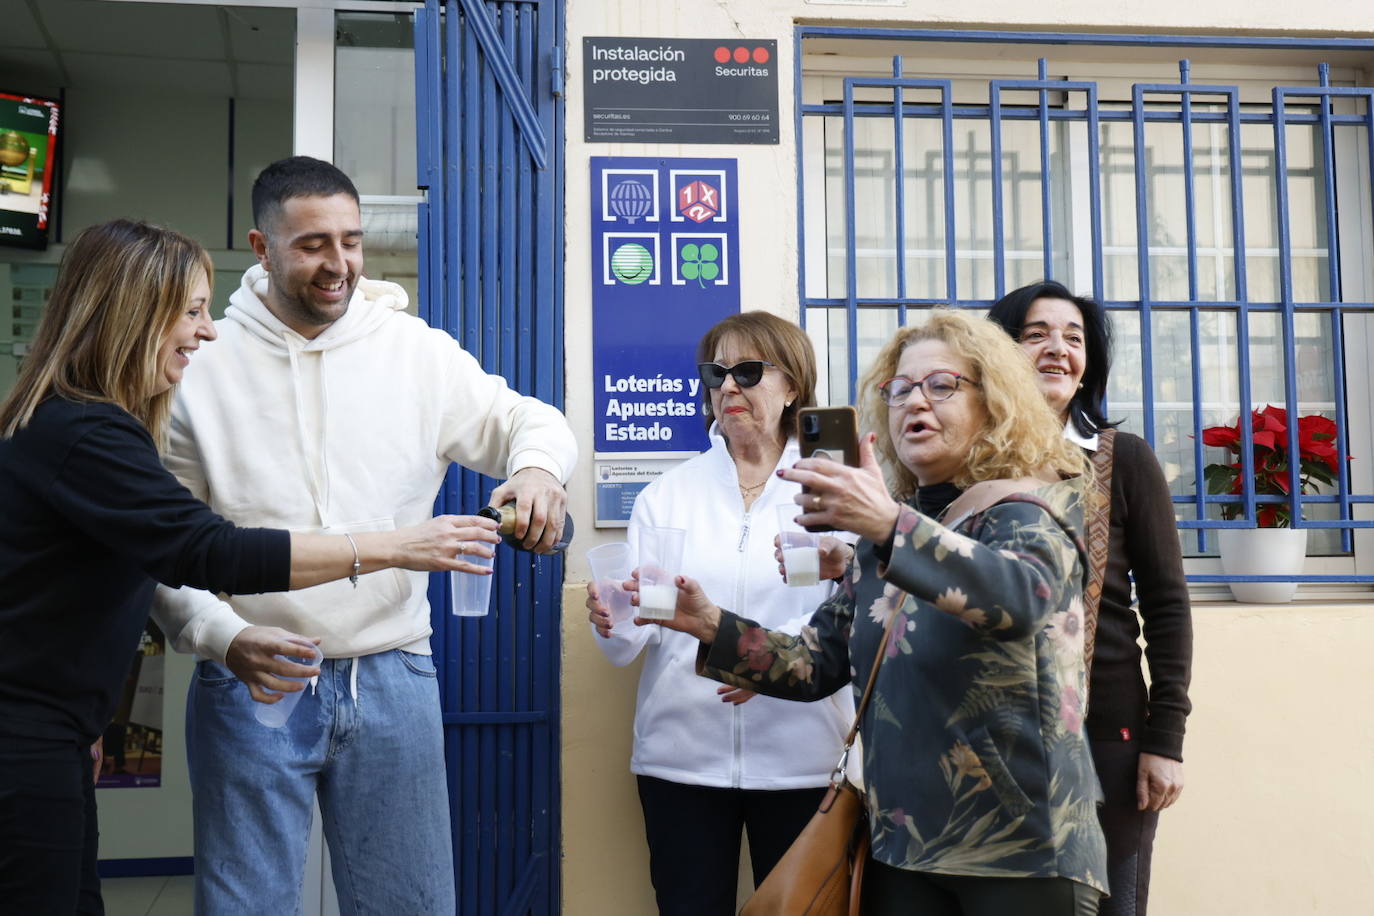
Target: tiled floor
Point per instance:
(148, 896)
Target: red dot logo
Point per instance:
(760, 55)
(722, 55)
(741, 55)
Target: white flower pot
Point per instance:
(1262, 552)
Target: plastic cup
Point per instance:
(275, 715)
(471, 591)
(660, 561)
(801, 554)
(611, 566)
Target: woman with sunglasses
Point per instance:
(90, 521)
(1136, 732)
(708, 764)
(980, 787)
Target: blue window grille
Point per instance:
(1227, 234)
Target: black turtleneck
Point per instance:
(932, 501)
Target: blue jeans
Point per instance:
(376, 763)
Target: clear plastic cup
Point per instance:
(275, 715)
(472, 592)
(660, 561)
(801, 553)
(611, 566)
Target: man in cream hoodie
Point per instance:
(324, 406)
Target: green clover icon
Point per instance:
(699, 263)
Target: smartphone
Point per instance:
(828, 432)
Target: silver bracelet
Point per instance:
(357, 564)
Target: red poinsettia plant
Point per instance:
(1317, 455)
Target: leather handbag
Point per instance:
(821, 874)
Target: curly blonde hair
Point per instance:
(1021, 436)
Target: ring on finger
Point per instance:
(816, 501)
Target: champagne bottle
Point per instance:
(505, 517)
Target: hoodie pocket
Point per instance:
(376, 590)
(352, 621)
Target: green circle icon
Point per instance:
(632, 264)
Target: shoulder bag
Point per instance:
(821, 874)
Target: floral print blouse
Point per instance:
(975, 761)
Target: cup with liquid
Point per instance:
(660, 561)
(275, 715)
(801, 549)
(611, 566)
(472, 591)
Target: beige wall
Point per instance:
(1276, 818)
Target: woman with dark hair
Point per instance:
(90, 521)
(1136, 732)
(708, 769)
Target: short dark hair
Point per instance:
(298, 176)
(1085, 408)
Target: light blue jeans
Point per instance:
(377, 764)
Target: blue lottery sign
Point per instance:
(665, 268)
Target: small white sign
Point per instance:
(618, 482)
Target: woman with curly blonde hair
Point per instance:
(1023, 438)
(980, 786)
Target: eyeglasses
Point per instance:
(747, 373)
(937, 386)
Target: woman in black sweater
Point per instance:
(90, 521)
(1136, 733)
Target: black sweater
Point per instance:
(89, 522)
(1144, 544)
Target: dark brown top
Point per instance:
(1144, 544)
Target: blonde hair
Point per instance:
(1021, 435)
(120, 287)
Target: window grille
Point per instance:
(1228, 237)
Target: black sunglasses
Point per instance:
(747, 373)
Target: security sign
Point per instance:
(680, 90)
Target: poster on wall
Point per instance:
(28, 150)
(133, 740)
(680, 90)
(665, 268)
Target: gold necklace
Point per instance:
(747, 490)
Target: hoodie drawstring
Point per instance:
(316, 494)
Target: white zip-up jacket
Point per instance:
(351, 431)
(683, 732)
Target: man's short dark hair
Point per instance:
(298, 176)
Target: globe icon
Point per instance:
(632, 264)
(631, 200)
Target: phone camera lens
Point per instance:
(811, 426)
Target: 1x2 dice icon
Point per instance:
(698, 201)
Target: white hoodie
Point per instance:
(683, 732)
(351, 431)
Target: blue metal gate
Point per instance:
(489, 129)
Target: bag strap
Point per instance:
(839, 770)
(1098, 535)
